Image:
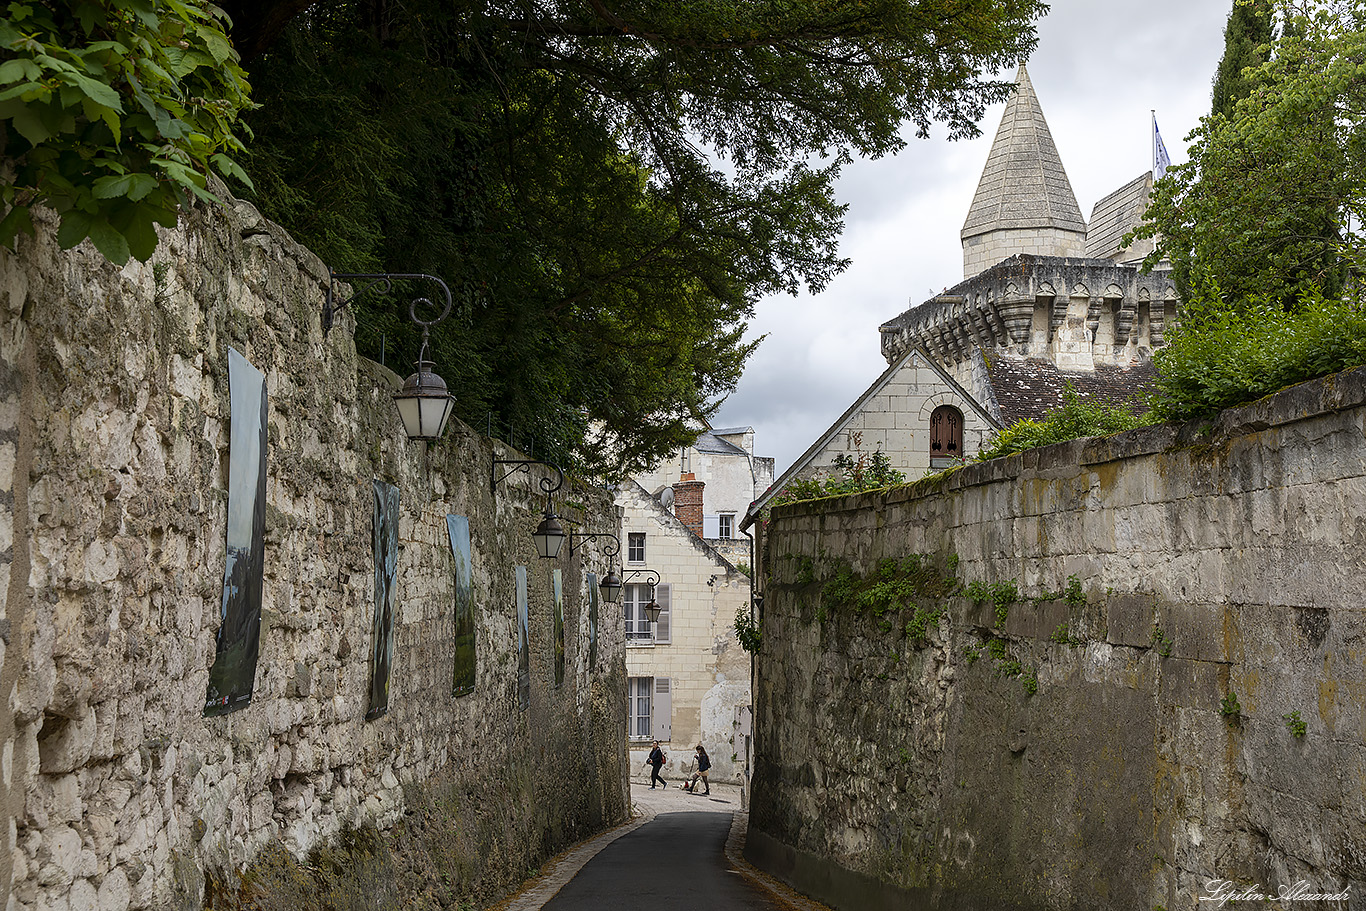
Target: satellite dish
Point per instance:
(666, 498)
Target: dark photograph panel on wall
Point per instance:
(523, 644)
(592, 623)
(386, 572)
(239, 632)
(557, 579)
(458, 529)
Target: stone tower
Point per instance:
(1024, 201)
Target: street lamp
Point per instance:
(549, 535)
(610, 586)
(424, 404)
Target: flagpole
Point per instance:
(1153, 113)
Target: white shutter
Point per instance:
(711, 526)
(664, 598)
(663, 709)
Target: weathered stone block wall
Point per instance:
(1086, 753)
(114, 416)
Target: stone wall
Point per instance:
(114, 417)
(1174, 699)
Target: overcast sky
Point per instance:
(1098, 70)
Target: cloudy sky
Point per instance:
(1098, 70)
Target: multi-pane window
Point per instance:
(638, 713)
(649, 708)
(635, 547)
(634, 597)
(725, 526)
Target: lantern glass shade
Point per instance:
(424, 405)
(549, 535)
(610, 586)
(652, 611)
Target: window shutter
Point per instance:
(663, 708)
(711, 526)
(664, 597)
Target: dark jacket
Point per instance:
(656, 757)
(703, 762)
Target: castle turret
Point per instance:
(1024, 201)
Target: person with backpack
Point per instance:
(656, 760)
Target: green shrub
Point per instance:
(855, 474)
(1075, 418)
(1223, 355)
(747, 630)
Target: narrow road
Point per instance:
(674, 859)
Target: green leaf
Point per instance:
(30, 125)
(20, 68)
(110, 241)
(19, 218)
(141, 185)
(34, 91)
(109, 187)
(75, 228)
(229, 168)
(217, 45)
(138, 228)
(98, 91)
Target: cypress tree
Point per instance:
(1248, 31)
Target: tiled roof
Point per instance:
(1023, 184)
(708, 441)
(1116, 214)
(1028, 388)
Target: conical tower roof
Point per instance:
(1023, 184)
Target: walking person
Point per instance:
(656, 761)
(703, 765)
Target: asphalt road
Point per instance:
(674, 862)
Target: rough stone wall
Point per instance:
(1091, 311)
(1087, 752)
(114, 415)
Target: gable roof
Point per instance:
(1023, 184)
(824, 439)
(1028, 388)
(670, 521)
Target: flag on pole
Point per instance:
(1160, 157)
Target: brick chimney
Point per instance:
(688, 502)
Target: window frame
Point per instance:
(637, 689)
(946, 436)
(635, 547)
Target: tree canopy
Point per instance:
(608, 187)
(1247, 33)
(1262, 210)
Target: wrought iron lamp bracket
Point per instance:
(332, 304)
(547, 485)
(609, 549)
(651, 576)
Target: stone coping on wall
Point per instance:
(1325, 395)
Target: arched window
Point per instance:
(946, 435)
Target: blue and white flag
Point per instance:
(1160, 157)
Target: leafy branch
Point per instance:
(114, 114)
